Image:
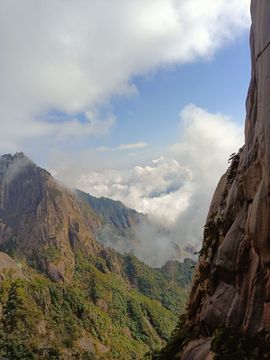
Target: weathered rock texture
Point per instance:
(40, 219)
(231, 287)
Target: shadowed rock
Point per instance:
(232, 283)
(231, 286)
(40, 219)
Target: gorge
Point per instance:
(228, 312)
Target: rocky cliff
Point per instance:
(228, 313)
(62, 294)
(40, 219)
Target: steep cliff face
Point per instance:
(62, 294)
(40, 219)
(231, 287)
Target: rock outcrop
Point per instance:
(231, 286)
(8, 268)
(40, 219)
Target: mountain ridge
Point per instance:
(62, 294)
(36, 212)
(119, 225)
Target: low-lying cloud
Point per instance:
(174, 190)
(149, 189)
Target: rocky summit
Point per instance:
(228, 314)
(40, 218)
(63, 295)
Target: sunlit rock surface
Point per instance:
(231, 287)
(232, 283)
(41, 219)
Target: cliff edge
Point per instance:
(228, 311)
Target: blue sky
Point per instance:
(219, 85)
(100, 93)
(117, 72)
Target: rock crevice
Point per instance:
(231, 286)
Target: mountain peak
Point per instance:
(14, 163)
(59, 284)
(40, 218)
(16, 156)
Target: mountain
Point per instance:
(63, 295)
(40, 218)
(114, 213)
(118, 226)
(127, 230)
(228, 313)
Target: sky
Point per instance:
(140, 101)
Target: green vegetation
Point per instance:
(181, 335)
(51, 253)
(227, 344)
(157, 283)
(230, 344)
(18, 320)
(100, 315)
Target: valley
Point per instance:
(64, 295)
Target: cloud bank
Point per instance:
(70, 58)
(176, 189)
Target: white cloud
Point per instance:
(175, 190)
(133, 146)
(149, 189)
(93, 126)
(72, 56)
(138, 145)
(207, 140)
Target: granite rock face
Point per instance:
(40, 219)
(231, 287)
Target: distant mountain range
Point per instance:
(127, 230)
(118, 226)
(63, 294)
(114, 213)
